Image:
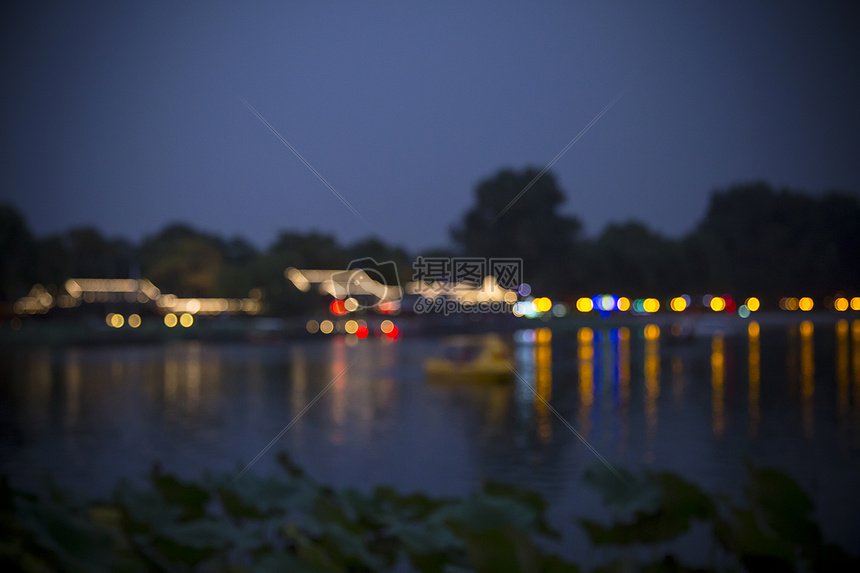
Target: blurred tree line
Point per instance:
(753, 239)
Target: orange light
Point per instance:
(841, 304)
(805, 304)
(623, 304)
(651, 305)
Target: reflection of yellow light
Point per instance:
(350, 304)
(543, 335)
(753, 329)
(717, 378)
(855, 303)
(718, 304)
(805, 304)
(807, 376)
(134, 320)
(753, 303)
(170, 320)
(584, 304)
(652, 332)
(678, 304)
(313, 326)
(386, 326)
(651, 305)
(186, 319)
(585, 334)
(623, 304)
(326, 327)
(841, 304)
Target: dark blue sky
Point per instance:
(127, 117)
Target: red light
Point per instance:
(337, 307)
(362, 331)
(393, 333)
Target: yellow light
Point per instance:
(350, 304)
(186, 319)
(584, 304)
(386, 326)
(170, 320)
(134, 320)
(841, 304)
(753, 304)
(510, 297)
(623, 304)
(117, 320)
(855, 303)
(350, 327)
(678, 304)
(753, 329)
(326, 327)
(651, 305)
(718, 304)
(652, 332)
(544, 335)
(805, 304)
(543, 304)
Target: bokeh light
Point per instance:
(805, 304)
(170, 320)
(313, 326)
(186, 319)
(623, 304)
(753, 304)
(717, 303)
(584, 304)
(134, 320)
(326, 327)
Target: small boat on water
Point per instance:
(481, 359)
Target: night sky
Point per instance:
(130, 117)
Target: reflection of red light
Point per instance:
(337, 307)
(392, 334)
(362, 331)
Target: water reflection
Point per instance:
(624, 382)
(585, 338)
(652, 385)
(754, 364)
(807, 377)
(543, 384)
(72, 409)
(842, 380)
(717, 384)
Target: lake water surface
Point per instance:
(785, 397)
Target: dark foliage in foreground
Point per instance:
(291, 522)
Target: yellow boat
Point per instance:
(482, 359)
